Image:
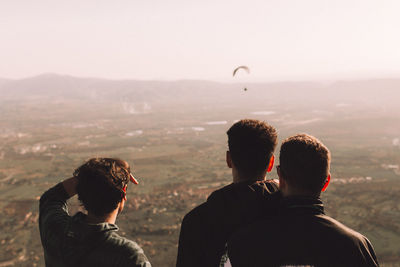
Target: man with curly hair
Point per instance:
(89, 239)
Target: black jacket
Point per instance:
(300, 235)
(206, 229)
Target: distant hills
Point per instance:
(367, 92)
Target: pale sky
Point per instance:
(193, 39)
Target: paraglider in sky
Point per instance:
(241, 67)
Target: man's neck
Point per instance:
(239, 178)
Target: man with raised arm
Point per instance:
(301, 234)
(89, 239)
(206, 229)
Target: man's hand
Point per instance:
(70, 186)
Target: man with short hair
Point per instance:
(206, 229)
(301, 234)
(92, 239)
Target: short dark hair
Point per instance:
(101, 183)
(304, 162)
(251, 145)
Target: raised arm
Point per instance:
(70, 186)
(53, 211)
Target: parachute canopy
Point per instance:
(241, 67)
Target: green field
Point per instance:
(178, 153)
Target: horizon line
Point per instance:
(293, 80)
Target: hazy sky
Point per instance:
(193, 39)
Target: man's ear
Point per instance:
(271, 163)
(282, 182)
(328, 179)
(125, 192)
(228, 159)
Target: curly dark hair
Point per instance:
(251, 145)
(304, 162)
(101, 183)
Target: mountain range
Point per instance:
(383, 92)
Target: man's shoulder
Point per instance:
(344, 243)
(123, 244)
(344, 239)
(218, 194)
(339, 229)
(196, 211)
(127, 250)
(321, 222)
(204, 208)
(194, 216)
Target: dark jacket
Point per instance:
(70, 241)
(300, 235)
(206, 229)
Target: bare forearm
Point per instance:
(70, 186)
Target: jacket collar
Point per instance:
(80, 217)
(307, 205)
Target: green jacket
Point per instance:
(70, 241)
